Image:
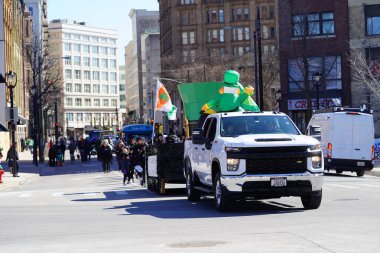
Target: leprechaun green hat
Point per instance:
(231, 76)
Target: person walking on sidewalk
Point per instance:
(12, 152)
(22, 144)
(105, 156)
(72, 148)
(52, 154)
(125, 162)
(119, 154)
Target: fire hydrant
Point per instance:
(1, 174)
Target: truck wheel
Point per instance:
(312, 201)
(192, 194)
(338, 171)
(360, 173)
(222, 202)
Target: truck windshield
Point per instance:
(241, 125)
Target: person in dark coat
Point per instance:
(105, 156)
(22, 144)
(125, 164)
(62, 146)
(12, 152)
(119, 154)
(72, 148)
(138, 158)
(52, 155)
(81, 147)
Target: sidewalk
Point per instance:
(376, 169)
(28, 172)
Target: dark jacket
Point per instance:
(53, 152)
(105, 154)
(10, 154)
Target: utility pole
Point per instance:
(260, 67)
(56, 120)
(257, 90)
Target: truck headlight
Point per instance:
(233, 164)
(316, 161)
(315, 147)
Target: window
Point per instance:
(241, 33)
(76, 48)
(372, 14)
(95, 49)
(97, 102)
(103, 50)
(221, 15)
(238, 14)
(188, 2)
(103, 40)
(69, 102)
(187, 18)
(188, 56)
(113, 76)
(76, 37)
(78, 87)
(69, 87)
(271, 12)
(68, 73)
(104, 63)
(77, 60)
(87, 103)
(67, 35)
(105, 89)
(104, 76)
(94, 38)
(215, 16)
(77, 74)
(112, 41)
(69, 116)
(329, 66)
(314, 24)
(78, 102)
(86, 75)
(188, 38)
(114, 102)
(96, 88)
(87, 116)
(95, 62)
(112, 51)
(95, 75)
(113, 64)
(113, 89)
(67, 47)
(80, 117)
(87, 88)
(86, 61)
(86, 49)
(67, 60)
(105, 102)
(86, 38)
(272, 33)
(215, 35)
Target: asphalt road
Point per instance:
(77, 208)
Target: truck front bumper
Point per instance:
(259, 186)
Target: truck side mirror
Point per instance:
(197, 136)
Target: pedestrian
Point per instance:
(31, 144)
(119, 154)
(81, 147)
(125, 164)
(22, 144)
(72, 148)
(62, 146)
(52, 154)
(88, 148)
(12, 152)
(138, 158)
(59, 156)
(105, 156)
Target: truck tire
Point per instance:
(192, 194)
(360, 173)
(338, 171)
(312, 201)
(221, 200)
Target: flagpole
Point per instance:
(154, 111)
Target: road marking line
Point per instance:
(57, 194)
(25, 195)
(121, 192)
(371, 185)
(342, 186)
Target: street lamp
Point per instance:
(11, 82)
(35, 123)
(317, 77)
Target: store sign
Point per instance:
(301, 104)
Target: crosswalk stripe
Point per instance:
(342, 186)
(121, 192)
(25, 195)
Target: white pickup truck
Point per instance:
(252, 154)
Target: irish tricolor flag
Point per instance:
(164, 103)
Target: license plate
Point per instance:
(278, 182)
(360, 163)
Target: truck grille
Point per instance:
(276, 160)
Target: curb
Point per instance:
(8, 184)
(375, 173)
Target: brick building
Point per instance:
(313, 39)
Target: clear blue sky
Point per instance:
(112, 14)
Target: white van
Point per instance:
(347, 139)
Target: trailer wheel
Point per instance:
(360, 173)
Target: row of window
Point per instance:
(313, 24)
(78, 48)
(77, 74)
(372, 14)
(87, 62)
(89, 103)
(88, 38)
(96, 118)
(86, 88)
